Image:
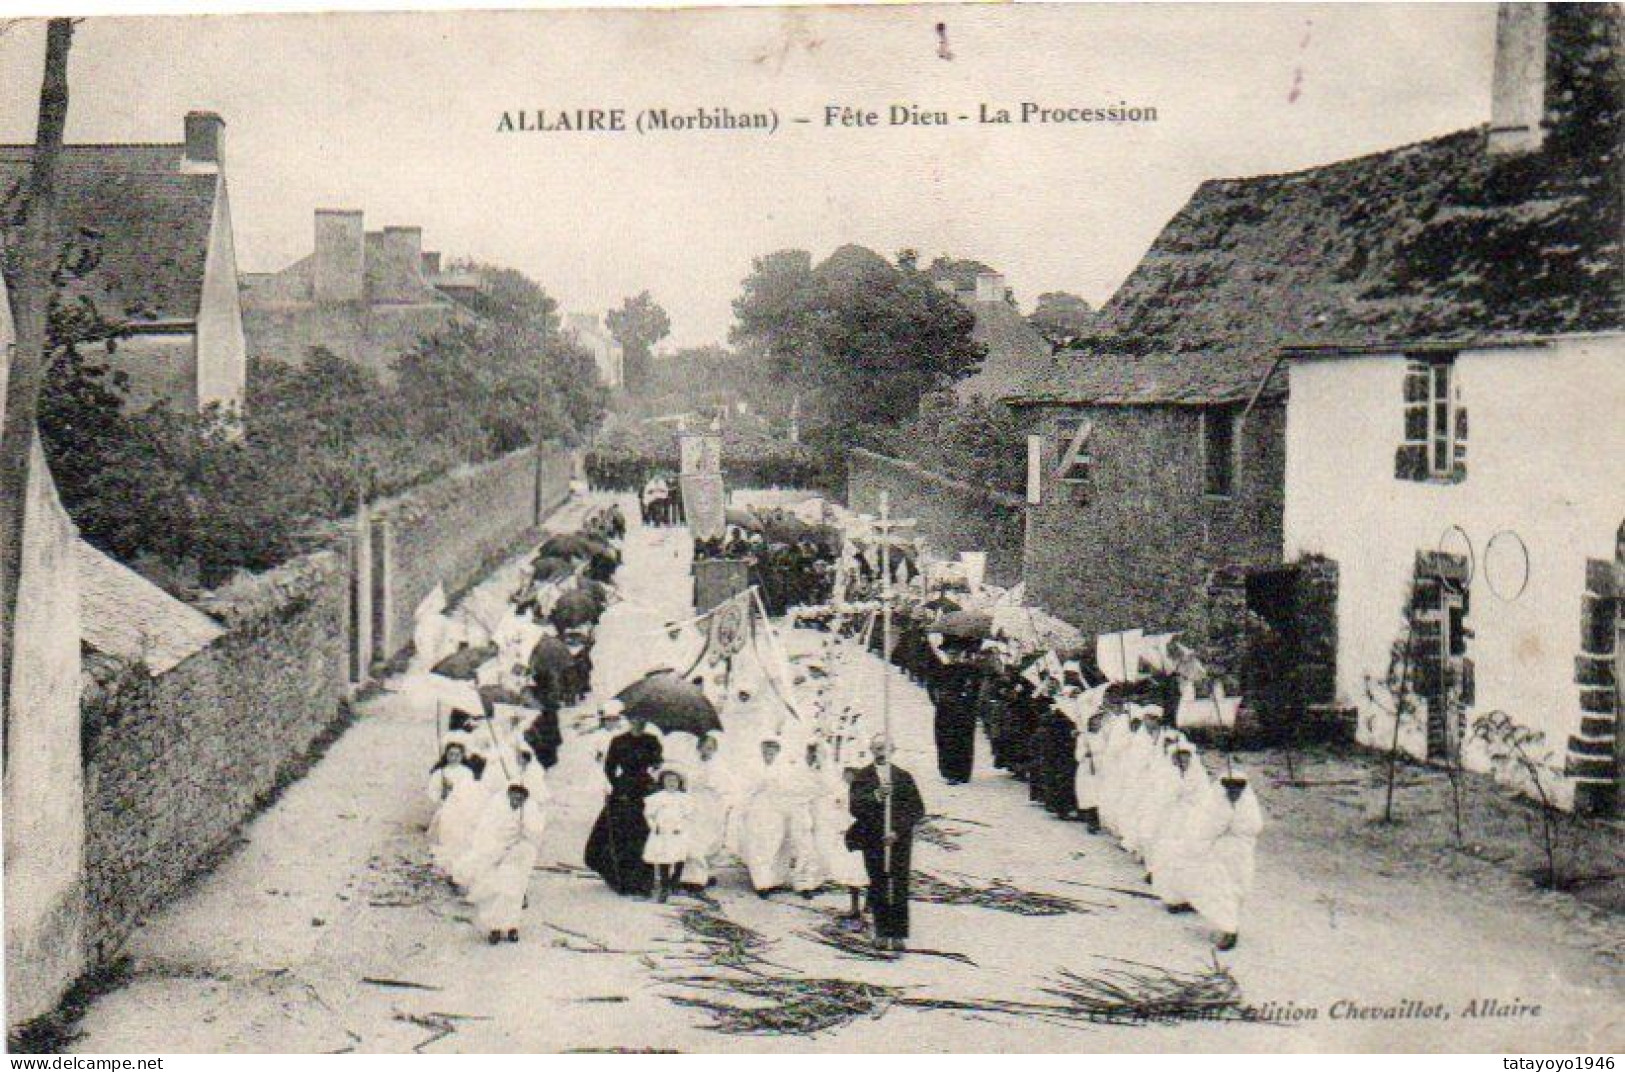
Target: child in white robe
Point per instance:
(458, 796)
(764, 829)
(832, 817)
(710, 789)
(1173, 849)
(670, 814)
(500, 860)
(1227, 836)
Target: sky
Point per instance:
(398, 115)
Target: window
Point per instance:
(1441, 440)
(1218, 452)
(1071, 449)
(1434, 449)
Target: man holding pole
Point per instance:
(886, 805)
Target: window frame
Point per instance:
(1067, 429)
(1441, 409)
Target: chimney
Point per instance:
(205, 139)
(990, 287)
(431, 264)
(1518, 99)
(338, 264)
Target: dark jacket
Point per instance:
(868, 830)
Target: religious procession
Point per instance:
(731, 767)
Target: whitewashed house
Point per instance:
(1455, 438)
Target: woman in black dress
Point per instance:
(615, 846)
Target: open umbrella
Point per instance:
(548, 567)
(670, 703)
(462, 664)
(574, 608)
(570, 545)
(964, 624)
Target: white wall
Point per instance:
(222, 351)
(44, 781)
(1545, 459)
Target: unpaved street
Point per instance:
(326, 930)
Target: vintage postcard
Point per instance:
(1035, 528)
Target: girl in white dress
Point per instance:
(459, 797)
(670, 815)
(832, 817)
(500, 860)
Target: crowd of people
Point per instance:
(1105, 753)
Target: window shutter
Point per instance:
(1070, 457)
(1035, 469)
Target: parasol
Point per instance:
(964, 625)
(462, 664)
(671, 703)
(574, 608)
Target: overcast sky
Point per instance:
(398, 115)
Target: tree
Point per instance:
(1061, 317)
(1521, 755)
(637, 325)
(25, 370)
(857, 340)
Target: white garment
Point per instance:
(1173, 850)
(534, 778)
(460, 797)
(765, 827)
(670, 815)
(500, 860)
(711, 791)
(1228, 837)
(832, 817)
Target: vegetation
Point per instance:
(857, 340)
(637, 325)
(189, 499)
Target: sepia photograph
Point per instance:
(1026, 528)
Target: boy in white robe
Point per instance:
(832, 817)
(500, 861)
(1227, 838)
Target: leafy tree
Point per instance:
(973, 440)
(857, 340)
(637, 325)
(1061, 317)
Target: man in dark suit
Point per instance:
(886, 805)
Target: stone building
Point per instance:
(1012, 343)
(367, 296)
(606, 350)
(1454, 430)
(149, 228)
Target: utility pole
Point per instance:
(26, 363)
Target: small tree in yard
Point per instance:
(1394, 697)
(1521, 755)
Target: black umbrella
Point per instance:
(574, 608)
(550, 656)
(670, 703)
(570, 545)
(547, 567)
(462, 664)
(964, 624)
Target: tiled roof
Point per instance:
(1012, 345)
(1430, 242)
(123, 614)
(145, 220)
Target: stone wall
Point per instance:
(1135, 544)
(176, 764)
(452, 531)
(953, 516)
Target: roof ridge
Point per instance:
(1348, 161)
